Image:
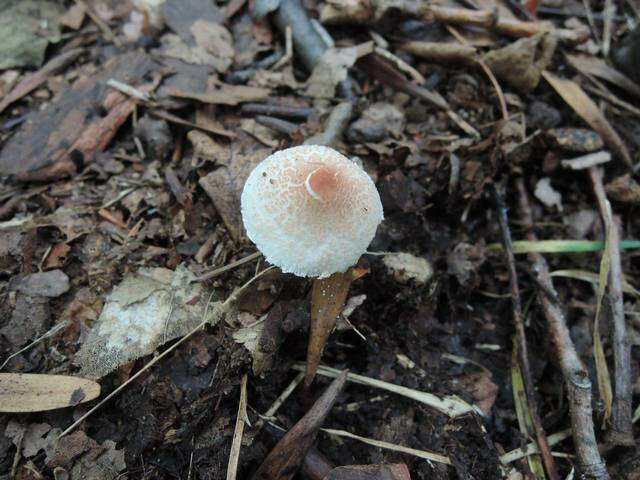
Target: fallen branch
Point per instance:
(520, 342)
(505, 26)
(576, 377)
(334, 127)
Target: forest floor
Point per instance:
(496, 318)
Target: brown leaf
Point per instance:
(599, 68)
(582, 104)
(521, 63)
(58, 256)
(285, 459)
(30, 392)
(327, 299)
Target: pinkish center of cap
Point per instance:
(321, 183)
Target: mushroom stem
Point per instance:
(328, 296)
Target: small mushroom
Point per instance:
(312, 212)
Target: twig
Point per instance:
(429, 456)
(494, 81)
(288, 50)
(608, 12)
(297, 113)
(308, 42)
(451, 406)
(520, 342)
(532, 448)
(55, 329)
(401, 64)
(241, 420)
(277, 124)
(226, 268)
(334, 126)
(277, 403)
(441, 52)
(575, 375)
(106, 31)
(586, 161)
(128, 90)
(592, 25)
(506, 26)
(621, 432)
(386, 74)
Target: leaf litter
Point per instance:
(125, 145)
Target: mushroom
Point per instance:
(312, 212)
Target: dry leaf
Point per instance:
(582, 104)
(599, 68)
(30, 392)
(141, 313)
(328, 297)
(58, 256)
(521, 63)
(73, 17)
(332, 68)
(215, 40)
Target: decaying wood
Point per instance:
(66, 135)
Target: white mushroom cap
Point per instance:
(310, 210)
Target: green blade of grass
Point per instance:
(561, 246)
(525, 419)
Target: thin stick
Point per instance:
(521, 339)
(128, 90)
(532, 448)
(621, 432)
(55, 329)
(574, 373)
(449, 405)
(106, 31)
(608, 13)
(226, 268)
(429, 456)
(401, 64)
(494, 81)
(241, 419)
(218, 313)
(277, 403)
